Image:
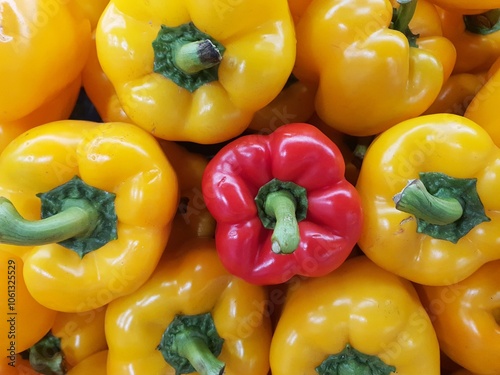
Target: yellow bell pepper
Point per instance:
(89, 207)
(465, 316)
(483, 108)
(363, 55)
(457, 93)
(72, 338)
(476, 38)
(20, 366)
(192, 218)
(196, 71)
(19, 328)
(429, 187)
(43, 47)
(100, 90)
(59, 108)
(92, 10)
(95, 365)
(191, 316)
(466, 6)
(359, 319)
(295, 103)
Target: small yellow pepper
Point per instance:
(43, 48)
(72, 338)
(191, 316)
(359, 319)
(476, 38)
(429, 189)
(196, 71)
(457, 93)
(89, 207)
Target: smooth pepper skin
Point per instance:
(483, 107)
(298, 153)
(118, 158)
(361, 304)
(369, 76)
(259, 41)
(476, 51)
(465, 316)
(95, 364)
(446, 143)
(37, 60)
(191, 282)
(20, 330)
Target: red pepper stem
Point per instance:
(79, 218)
(192, 347)
(196, 56)
(416, 200)
(286, 236)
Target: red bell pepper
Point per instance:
(282, 205)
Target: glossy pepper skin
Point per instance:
(375, 312)
(20, 329)
(465, 316)
(349, 49)
(282, 205)
(20, 366)
(29, 29)
(95, 364)
(429, 247)
(251, 57)
(116, 171)
(191, 283)
(59, 108)
(457, 93)
(476, 38)
(466, 7)
(484, 106)
(72, 338)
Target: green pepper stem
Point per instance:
(191, 346)
(405, 13)
(78, 218)
(416, 200)
(286, 237)
(196, 56)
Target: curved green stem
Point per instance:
(416, 200)
(402, 17)
(484, 23)
(78, 218)
(189, 345)
(194, 57)
(282, 206)
(46, 356)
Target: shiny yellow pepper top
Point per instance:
(196, 70)
(429, 188)
(89, 207)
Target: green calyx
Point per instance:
(75, 215)
(401, 18)
(191, 344)
(187, 56)
(484, 23)
(445, 207)
(352, 362)
(280, 206)
(46, 356)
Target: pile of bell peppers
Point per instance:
(247, 187)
